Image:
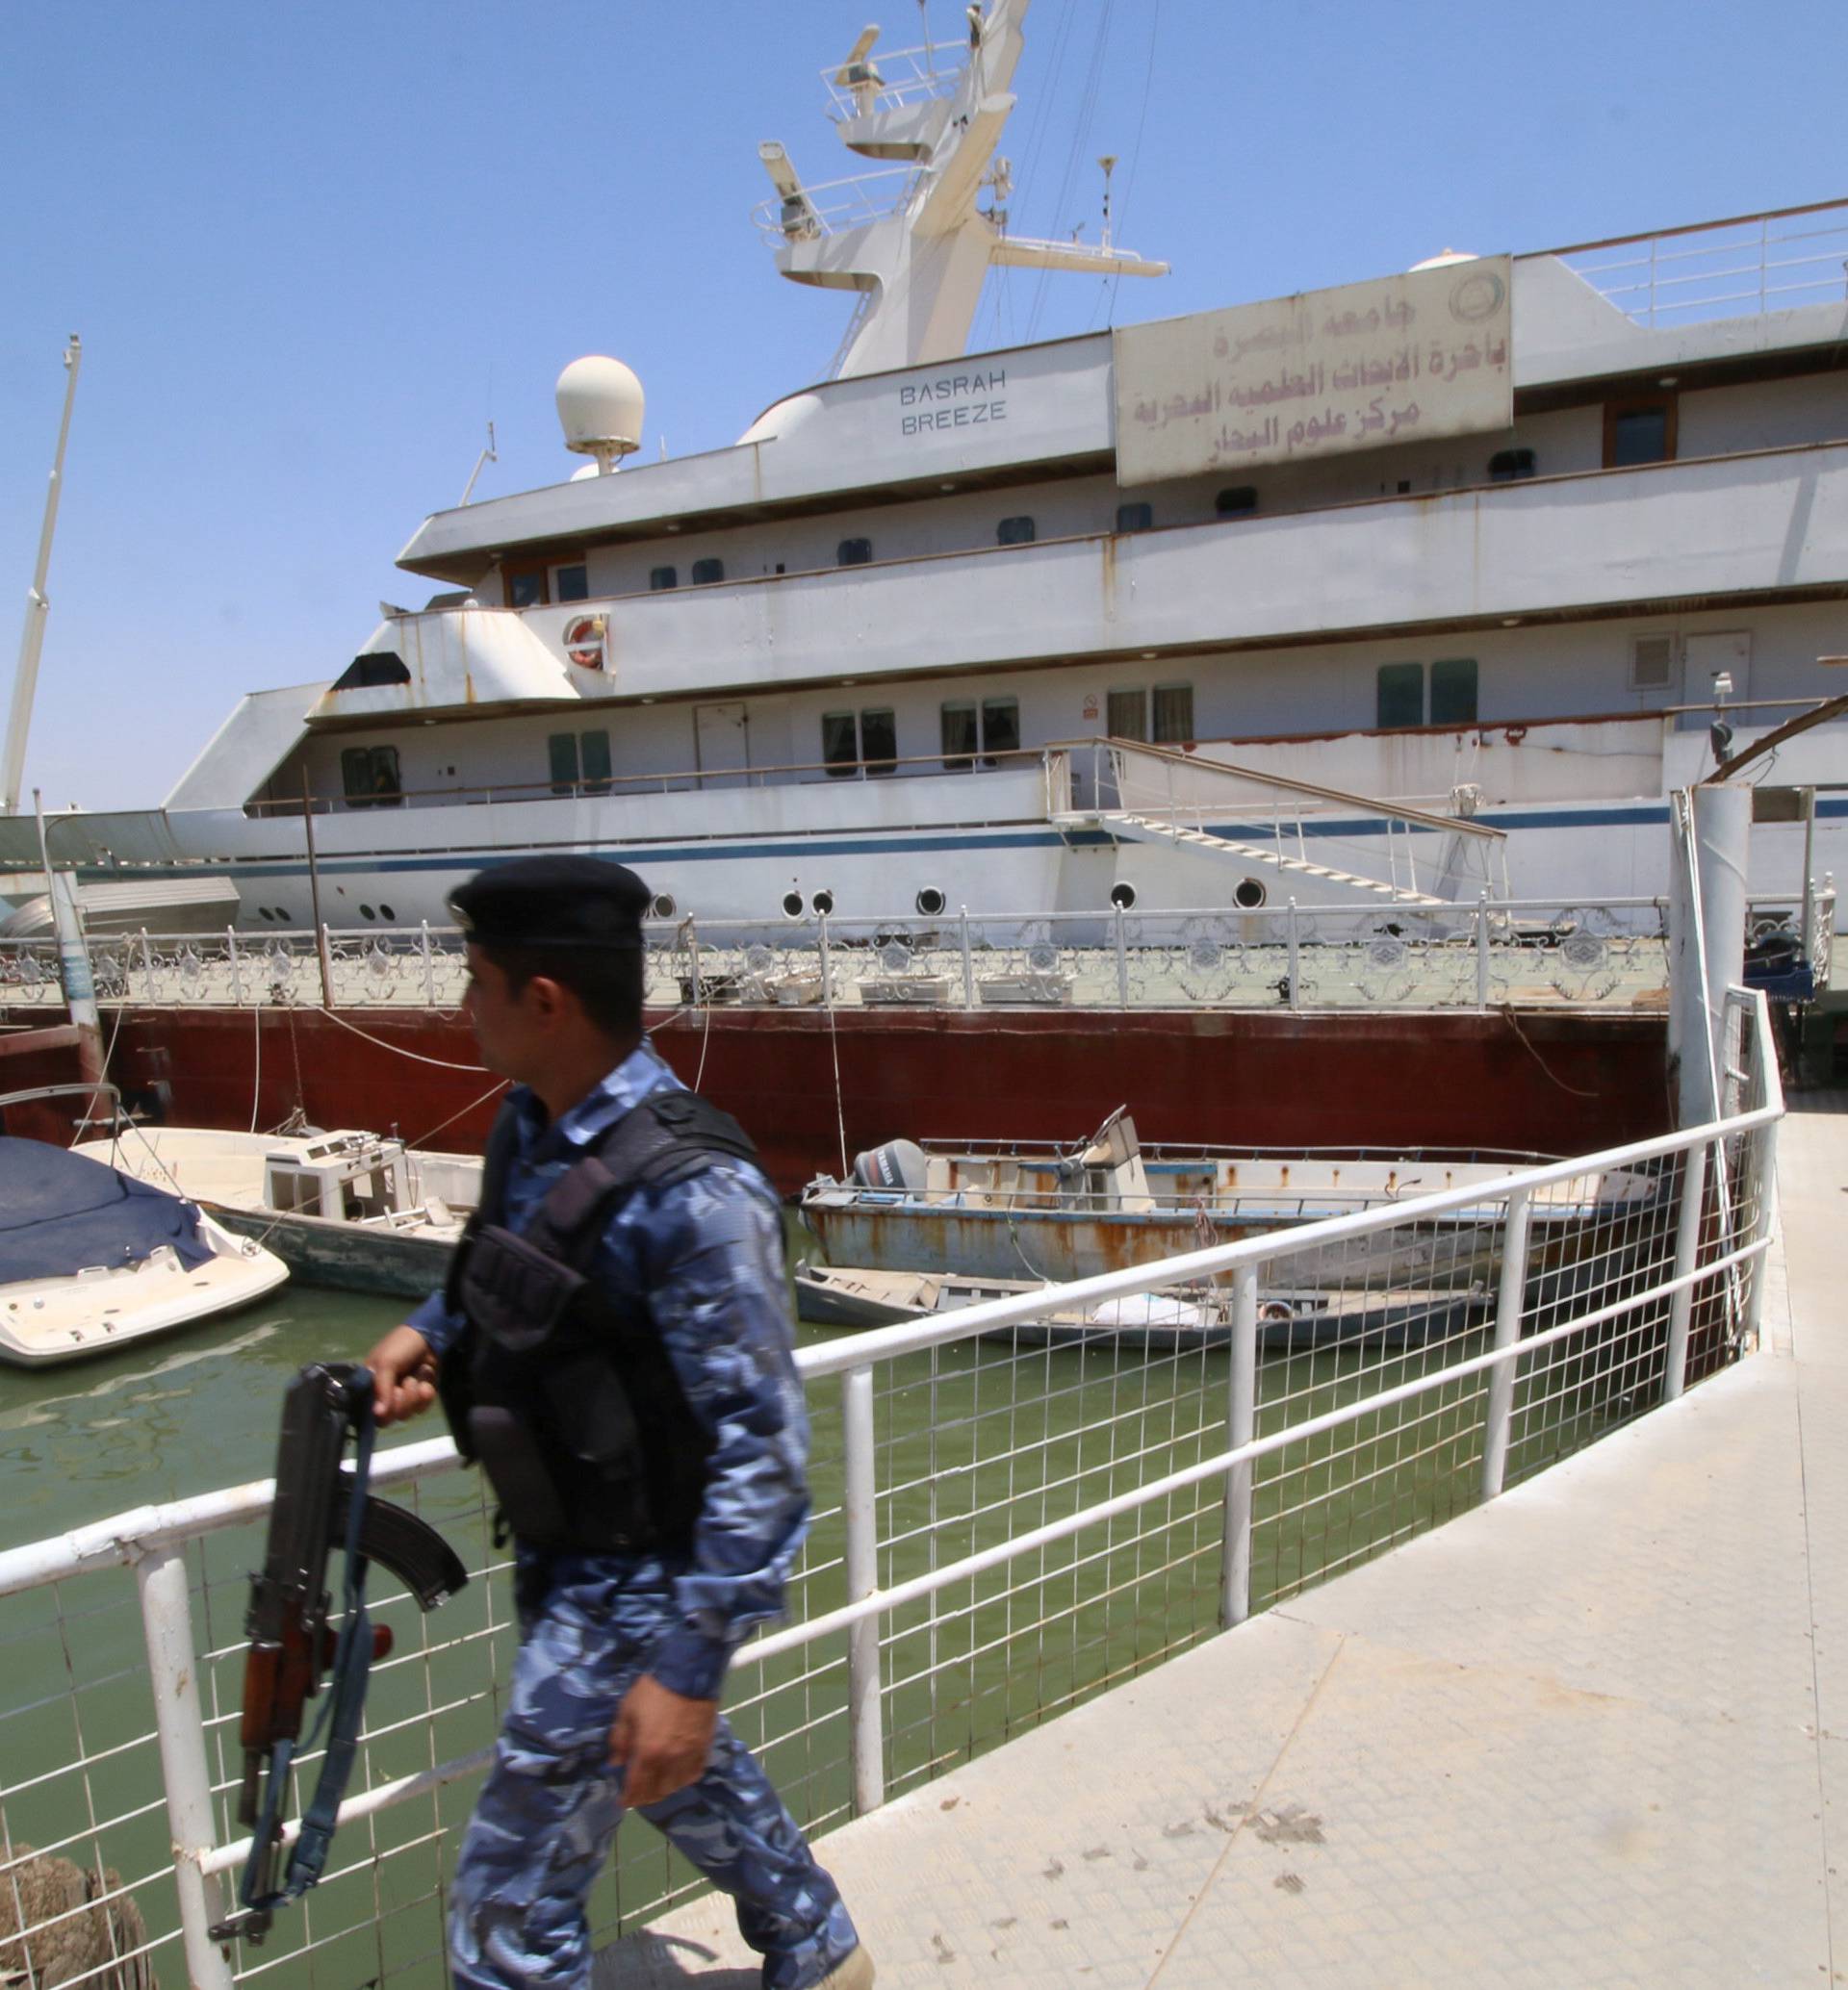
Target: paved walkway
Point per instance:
(1594, 1734)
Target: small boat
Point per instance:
(355, 1210)
(91, 1258)
(1167, 1321)
(994, 1210)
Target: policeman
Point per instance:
(614, 1347)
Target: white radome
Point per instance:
(600, 408)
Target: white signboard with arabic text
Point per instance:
(1402, 359)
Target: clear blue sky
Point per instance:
(312, 249)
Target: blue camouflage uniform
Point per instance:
(704, 1259)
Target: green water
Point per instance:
(975, 1442)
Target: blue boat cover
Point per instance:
(61, 1213)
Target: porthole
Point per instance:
(792, 904)
(823, 902)
(929, 901)
(367, 912)
(284, 916)
(385, 911)
(664, 906)
(1122, 896)
(263, 911)
(1248, 894)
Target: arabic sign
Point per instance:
(1402, 359)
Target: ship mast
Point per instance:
(25, 679)
(912, 240)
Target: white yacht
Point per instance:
(1313, 597)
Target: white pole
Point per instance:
(25, 680)
(1687, 1245)
(865, 1725)
(1242, 1408)
(1507, 1331)
(167, 1622)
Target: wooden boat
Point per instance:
(354, 1210)
(996, 1212)
(91, 1258)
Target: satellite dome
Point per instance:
(600, 408)
(1441, 261)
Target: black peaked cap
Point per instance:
(552, 901)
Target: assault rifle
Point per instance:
(318, 1508)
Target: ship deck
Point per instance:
(1592, 1732)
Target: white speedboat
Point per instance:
(1311, 598)
(355, 1210)
(91, 1258)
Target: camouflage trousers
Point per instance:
(548, 1814)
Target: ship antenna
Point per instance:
(487, 455)
(1109, 164)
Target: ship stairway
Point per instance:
(1136, 792)
(1149, 829)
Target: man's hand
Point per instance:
(403, 1376)
(660, 1740)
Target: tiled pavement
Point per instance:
(1595, 1734)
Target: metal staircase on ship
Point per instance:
(1139, 793)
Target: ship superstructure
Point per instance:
(1312, 597)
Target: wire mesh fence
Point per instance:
(1044, 1497)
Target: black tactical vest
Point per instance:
(561, 1392)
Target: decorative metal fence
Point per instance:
(1016, 1506)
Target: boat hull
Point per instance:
(341, 1256)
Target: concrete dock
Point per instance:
(1596, 1733)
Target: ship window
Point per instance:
(1017, 531)
(1454, 691)
(374, 667)
(1135, 518)
(1400, 696)
(1000, 728)
(385, 911)
(368, 775)
(263, 911)
(1651, 663)
(1122, 895)
(1509, 466)
(851, 739)
(1126, 714)
(959, 740)
(1173, 713)
(572, 583)
(792, 905)
(841, 742)
(853, 552)
(526, 587)
(562, 750)
(823, 904)
(879, 740)
(576, 755)
(661, 579)
(594, 756)
(1236, 500)
(1640, 430)
(664, 906)
(706, 572)
(929, 901)
(367, 912)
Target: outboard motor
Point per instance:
(899, 1166)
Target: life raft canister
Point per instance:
(585, 641)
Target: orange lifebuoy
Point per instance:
(585, 641)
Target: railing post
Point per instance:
(430, 970)
(1241, 1418)
(1507, 1331)
(968, 963)
(147, 965)
(1482, 950)
(1296, 960)
(1123, 963)
(237, 976)
(860, 1506)
(827, 970)
(1763, 1222)
(1687, 1244)
(325, 953)
(166, 1625)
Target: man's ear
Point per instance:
(552, 1002)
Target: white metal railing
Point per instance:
(1732, 268)
(896, 77)
(1011, 1514)
(831, 207)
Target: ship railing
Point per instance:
(1737, 268)
(832, 207)
(1481, 954)
(1016, 1505)
(897, 77)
